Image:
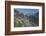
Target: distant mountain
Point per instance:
(36, 14)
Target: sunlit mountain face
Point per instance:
(26, 17)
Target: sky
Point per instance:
(27, 11)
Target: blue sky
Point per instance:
(27, 11)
